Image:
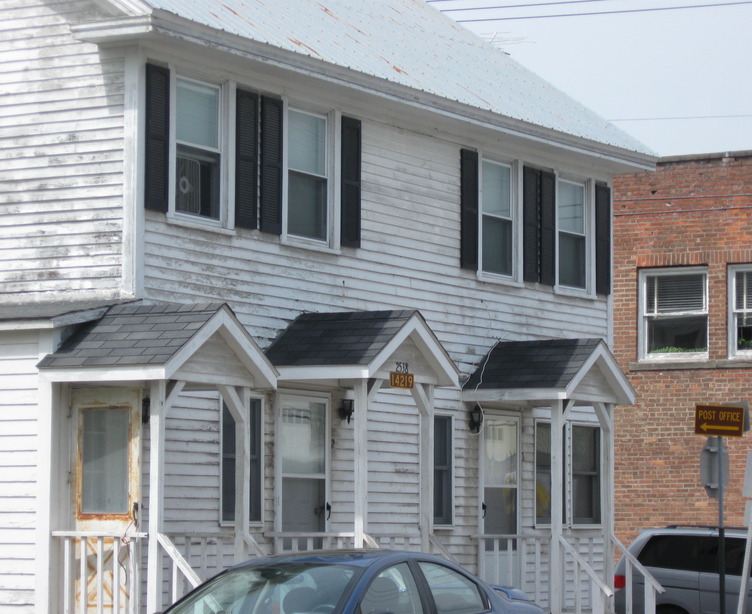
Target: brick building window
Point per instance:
(740, 303)
(674, 314)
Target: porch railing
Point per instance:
(600, 593)
(101, 572)
(651, 588)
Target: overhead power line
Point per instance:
(651, 119)
(589, 14)
(513, 6)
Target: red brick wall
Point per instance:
(691, 211)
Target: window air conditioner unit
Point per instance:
(188, 192)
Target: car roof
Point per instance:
(356, 557)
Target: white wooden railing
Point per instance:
(651, 588)
(600, 592)
(101, 572)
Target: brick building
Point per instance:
(682, 330)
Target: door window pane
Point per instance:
(106, 434)
(303, 437)
(393, 591)
(500, 475)
(543, 473)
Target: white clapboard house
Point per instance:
(288, 274)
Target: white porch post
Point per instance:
(360, 470)
(605, 413)
(239, 408)
(156, 494)
(423, 395)
(556, 581)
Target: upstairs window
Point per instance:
(497, 227)
(197, 165)
(674, 307)
(572, 235)
(307, 176)
(740, 292)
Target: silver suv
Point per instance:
(684, 559)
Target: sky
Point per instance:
(677, 79)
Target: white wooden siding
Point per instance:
(19, 353)
(61, 146)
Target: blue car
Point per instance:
(350, 582)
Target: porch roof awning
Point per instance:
(551, 369)
(361, 345)
(140, 341)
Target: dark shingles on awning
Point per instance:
(132, 334)
(346, 338)
(548, 363)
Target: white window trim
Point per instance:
(515, 207)
(278, 475)
(226, 167)
(588, 198)
(262, 461)
(452, 469)
(642, 335)
(733, 352)
(333, 170)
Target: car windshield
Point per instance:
(284, 588)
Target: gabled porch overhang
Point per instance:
(559, 374)
(166, 349)
(359, 351)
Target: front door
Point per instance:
(499, 508)
(304, 461)
(106, 495)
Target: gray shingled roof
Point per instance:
(134, 334)
(51, 310)
(548, 363)
(349, 338)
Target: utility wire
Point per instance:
(619, 12)
(513, 6)
(652, 119)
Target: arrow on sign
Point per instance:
(717, 427)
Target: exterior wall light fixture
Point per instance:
(346, 410)
(476, 418)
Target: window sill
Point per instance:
(674, 365)
(207, 225)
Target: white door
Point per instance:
(106, 495)
(499, 508)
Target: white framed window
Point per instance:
(256, 462)
(582, 474)
(309, 185)
(443, 470)
(198, 149)
(572, 227)
(497, 226)
(740, 308)
(673, 314)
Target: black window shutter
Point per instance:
(271, 165)
(469, 209)
(350, 187)
(246, 159)
(547, 228)
(602, 239)
(530, 223)
(157, 153)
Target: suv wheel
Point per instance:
(669, 609)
